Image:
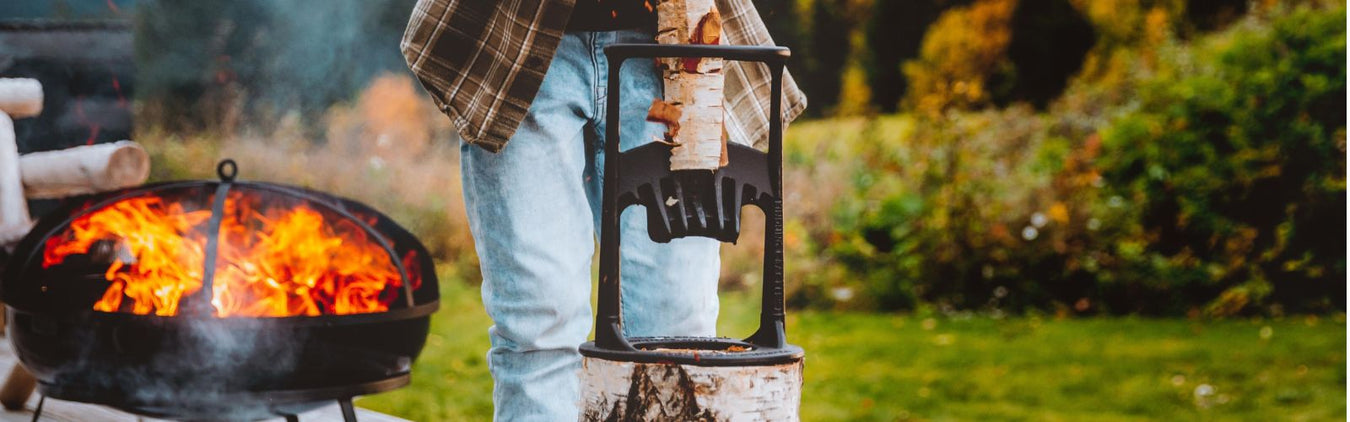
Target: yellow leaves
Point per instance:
(1157, 26)
(389, 120)
(793, 233)
(960, 51)
(855, 97)
(1000, 232)
(1235, 299)
(1058, 213)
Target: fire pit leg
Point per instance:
(292, 418)
(348, 412)
(37, 413)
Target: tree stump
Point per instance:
(629, 391)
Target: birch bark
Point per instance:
(84, 169)
(20, 97)
(628, 391)
(14, 220)
(692, 108)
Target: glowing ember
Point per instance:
(272, 260)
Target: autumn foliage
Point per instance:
(1200, 176)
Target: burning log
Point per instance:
(692, 109)
(20, 97)
(84, 170)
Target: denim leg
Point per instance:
(668, 289)
(533, 230)
(533, 210)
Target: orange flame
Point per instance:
(155, 242)
(272, 260)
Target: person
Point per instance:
(524, 82)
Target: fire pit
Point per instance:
(218, 300)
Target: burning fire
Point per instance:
(159, 255)
(272, 260)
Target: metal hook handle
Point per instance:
(227, 169)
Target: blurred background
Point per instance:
(996, 209)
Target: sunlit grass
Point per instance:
(880, 367)
(450, 380)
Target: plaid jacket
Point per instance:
(483, 61)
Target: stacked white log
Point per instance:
(692, 108)
(84, 169)
(18, 98)
(54, 174)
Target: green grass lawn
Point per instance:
(881, 367)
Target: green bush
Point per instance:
(963, 219)
(1201, 176)
(1231, 167)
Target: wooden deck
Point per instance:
(64, 411)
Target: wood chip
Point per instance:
(667, 114)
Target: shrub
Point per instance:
(1201, 177)
(963, 218)
(1232, 171)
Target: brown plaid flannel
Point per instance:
(483, 61)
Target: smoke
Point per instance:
(222, 357)
(194, 366)
(63, 9)
(215, 62)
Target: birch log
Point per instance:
(20, 97)
(628, 391)
(14, 221)
(84, 169)
(17, 387)
(692, 109)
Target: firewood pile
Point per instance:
(53, 174)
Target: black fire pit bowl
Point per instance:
(196, 366)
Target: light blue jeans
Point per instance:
(534, 210)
